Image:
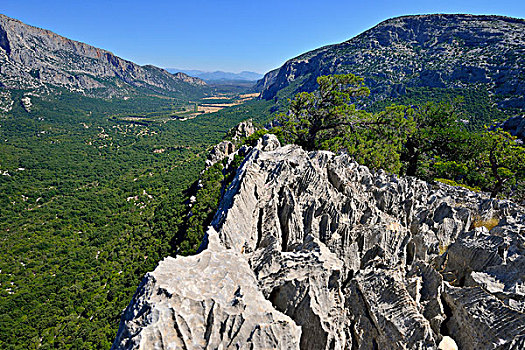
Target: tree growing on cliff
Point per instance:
(314, 117)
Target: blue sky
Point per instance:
(226, 35)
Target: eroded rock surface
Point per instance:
(220, 306)
(219, 152)
(227, 148)
(357, 259)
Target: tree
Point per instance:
(438, 132)
(325, 110)
(329, 119)
(501, 160)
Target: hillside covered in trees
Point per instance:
(83, 182)
(415, 59)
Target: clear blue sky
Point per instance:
(226, 35)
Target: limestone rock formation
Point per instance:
(219, 152)
(223, 308)
(227, 148)
(312, 250)
(244, 129)
(26, 103)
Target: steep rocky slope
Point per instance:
(31, 57)
(313, 251)
(443, 51)
(515, 126)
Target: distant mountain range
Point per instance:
(410, 56)
(218, 76)
(32, 58)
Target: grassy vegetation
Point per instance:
(489, 224)
(454, 183)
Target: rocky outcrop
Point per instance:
(219, 152)
(31, 57)
(26, 103)
(187, 79)
(226, 148)
(515, 126)
(223, 309)
(322, 253)
(242, 130)
(441, 50)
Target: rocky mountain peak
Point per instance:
(310, 250)
(473, 29)
(31, 57)
(187, 79)
(458, 51)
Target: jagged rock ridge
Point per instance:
(442, 50)
(31, 57)
(313, 251)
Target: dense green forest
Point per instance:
(478, 107)
(78, 194)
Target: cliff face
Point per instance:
(31, 57)
(313, 251)
(452, 51)
(515, 126)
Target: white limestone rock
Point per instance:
(206, 301)
(344, 258)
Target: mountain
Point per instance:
(218, 76)
(404, 56)
(32, 58)
(310, 250)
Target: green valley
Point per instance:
(78, 193)
(102, 161)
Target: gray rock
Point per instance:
(222, 308)
(359, 259)
(390, 317)
(242, 130)
(26, 103)
(440, 50)
(480, 321)
(304, 284)
(219, 152)
(268, 142)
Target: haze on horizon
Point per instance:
(231, 35)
